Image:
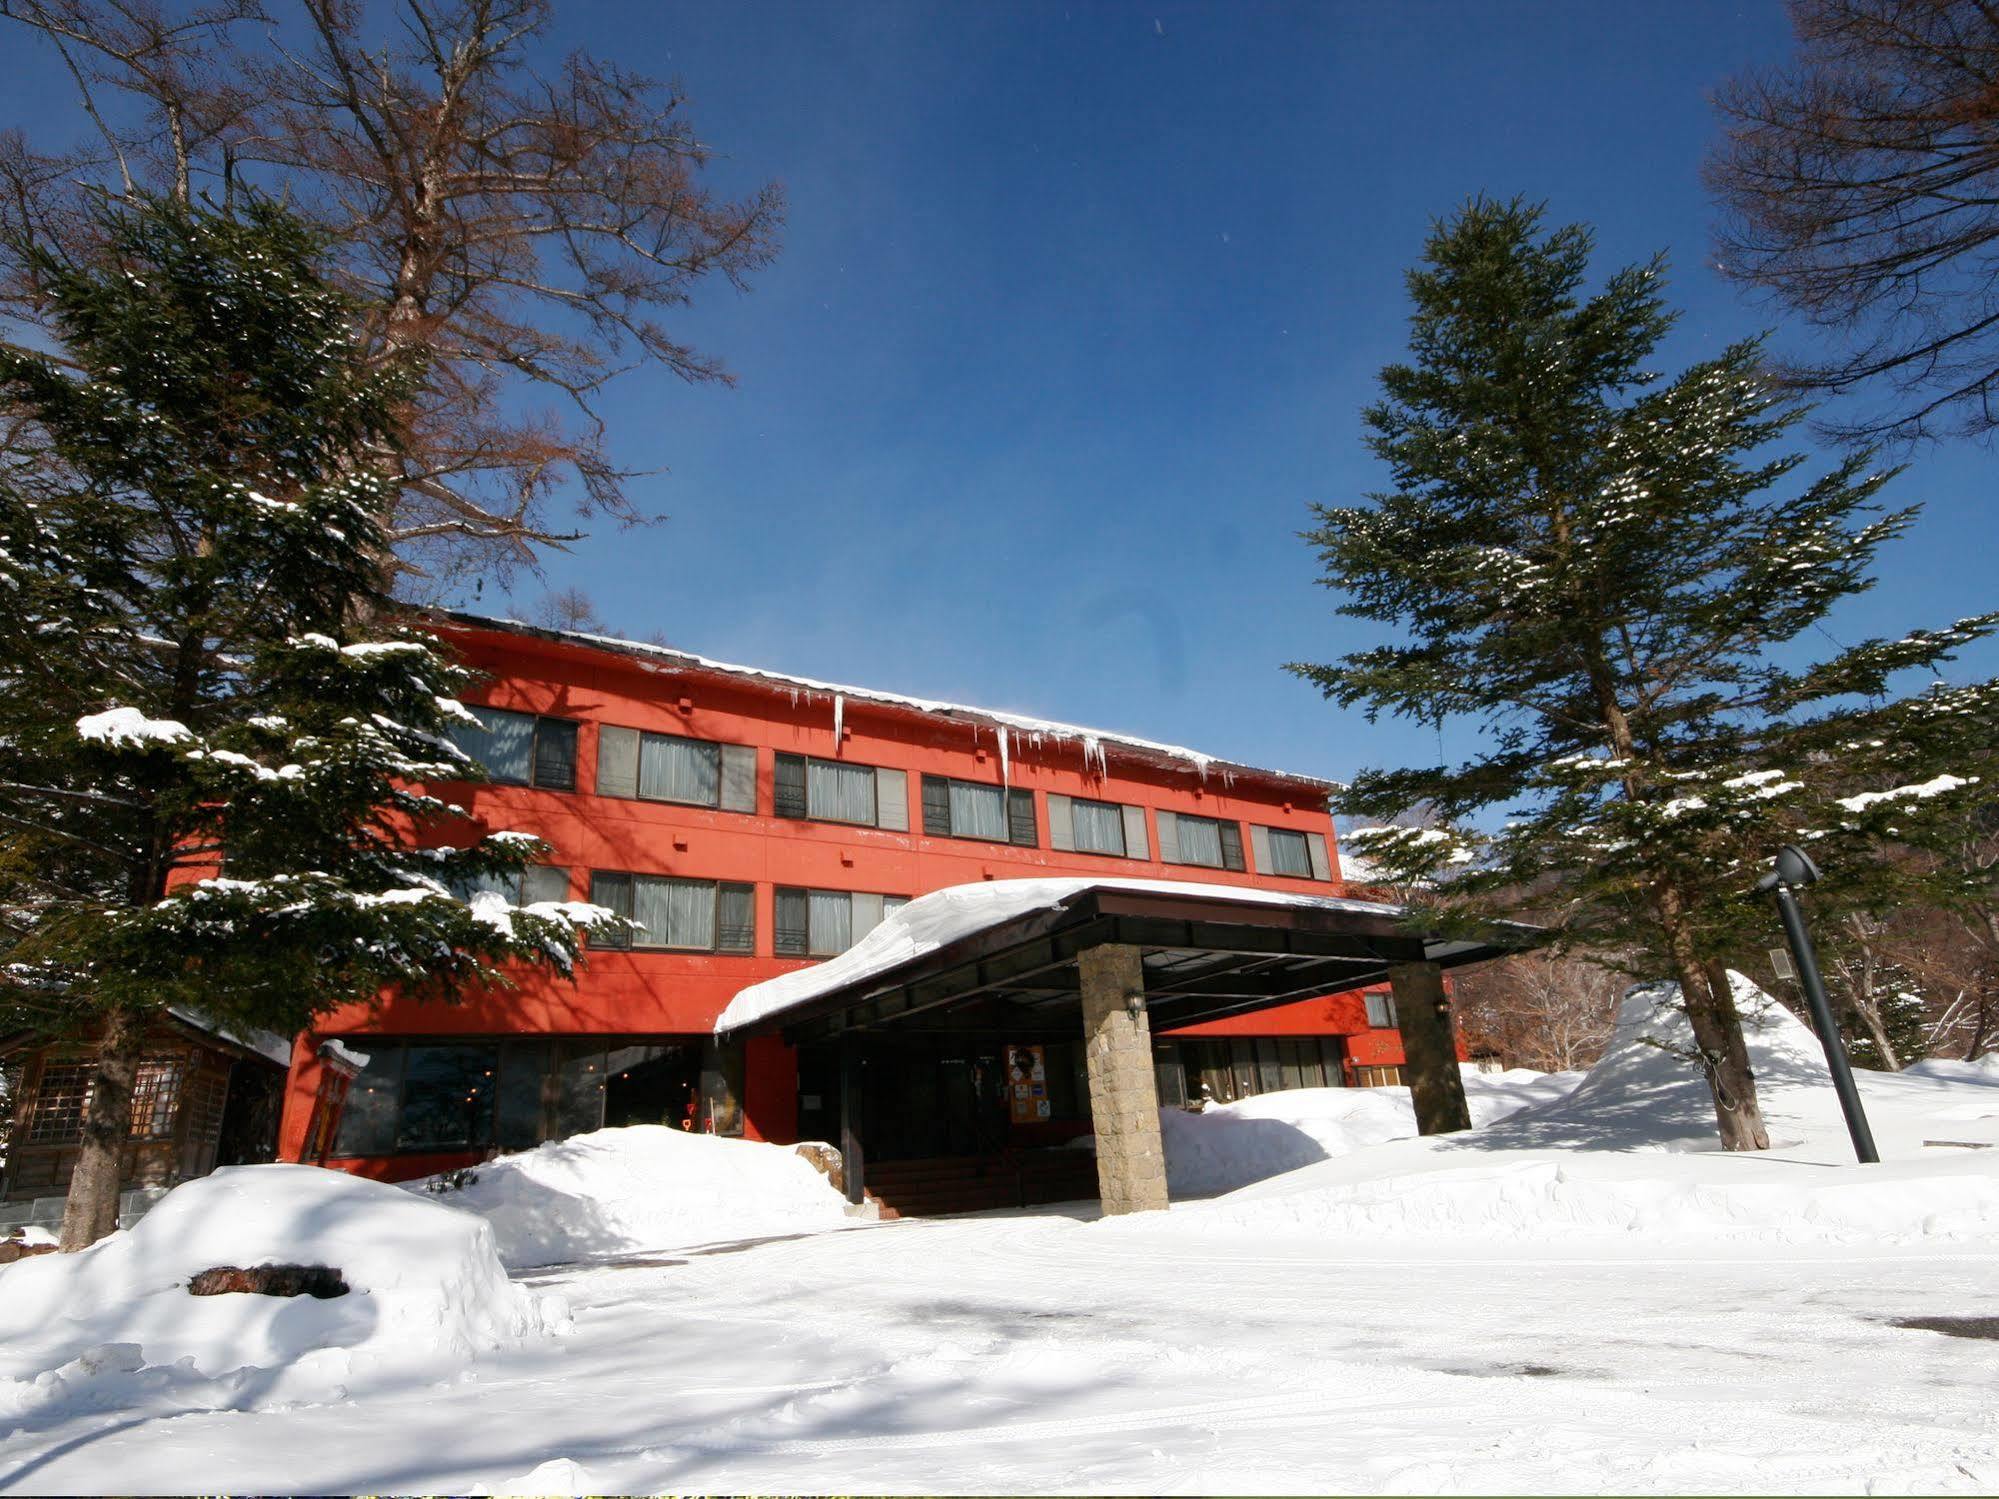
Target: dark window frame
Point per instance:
(626, 940)
(1123, 850)
(793, 802)
(1016, 803)
(533, 778)
(793, 942)
(1228, 831)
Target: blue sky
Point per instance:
(1076, 312)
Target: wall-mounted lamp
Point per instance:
(1134, 1003)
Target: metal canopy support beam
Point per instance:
(853, 1157)
(1124, 1089)
(1429, 1047)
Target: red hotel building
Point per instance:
(752, 823)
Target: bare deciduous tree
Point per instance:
(1860, 186)
(1554, 1012)
(517, 231)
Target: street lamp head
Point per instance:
(1794, 867)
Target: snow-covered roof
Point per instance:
(267, 1044)
(959, 911)
(1012, 730)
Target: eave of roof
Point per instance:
(1026, 732)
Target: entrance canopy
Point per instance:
(1006, 953)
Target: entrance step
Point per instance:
(971, 1184)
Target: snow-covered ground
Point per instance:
(1582, 1296)
(602, 1194)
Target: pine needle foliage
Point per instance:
(1608, 572)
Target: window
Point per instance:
(1296, 855)
(1211, 842)
(834, 791)
(523, 887)
(1094, 827)
(1380, 1010)
(62, 1099)
(422, 1096)
(521, 749)
(822, 923)
(672, 768)
(970, 809)
(1377, 1077)
(703, 915)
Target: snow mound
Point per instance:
(1984, 1071)
(1631, 1150)
(1231, 1145)
(115, 1326)
(644, 1186)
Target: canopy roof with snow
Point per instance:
(1012, 732)
(1003, 952)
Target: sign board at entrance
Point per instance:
(1027, 1084)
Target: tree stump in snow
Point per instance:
(321, 1281)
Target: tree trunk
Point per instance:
(1710, 1005)
(91, 1209)
(1725, 1058)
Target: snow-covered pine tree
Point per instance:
(212, 720)
(1601, 569)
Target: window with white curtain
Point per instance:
(978, 811)
(673, 769)
(1380, 1010)
(1201, 841)
(1097, 827)
(839, 793)
(824, 923)
(1289, 853)
(667, 912)
(830, 923)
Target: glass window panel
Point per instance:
(690, 913)
(680, 770)
(504, 742)
(544, 882)
(840, 793)
(1380, 1010)
(614, 893)
(1287, 1053)
(1242, 1062)
(368, 1121)
(555, 754)
(736, 921)
(579, 1088)
(1269, 1070)
(650, 1085)
(978, 812)
(447, 1097)
(831, 921)
(523, 1070)
(893, 903)
(793, 924)
(1099, 827)
(1329, 1056)
(1201, 841)
(1289, 854)
(650, 902)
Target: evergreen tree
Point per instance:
(212, 720)
(1600, 569)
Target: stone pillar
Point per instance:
(853, 1157)
(1429, 1048)
(1124, 1092)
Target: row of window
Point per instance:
(516, 1093)
(530, 750)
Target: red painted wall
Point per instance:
(647, 993)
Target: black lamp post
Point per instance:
(1794, 867)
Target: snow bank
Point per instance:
(1985, 1070)
(643, 1187)
(1631, 1150)
(1231, 1145)
(958, 911)
(115, 1326)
